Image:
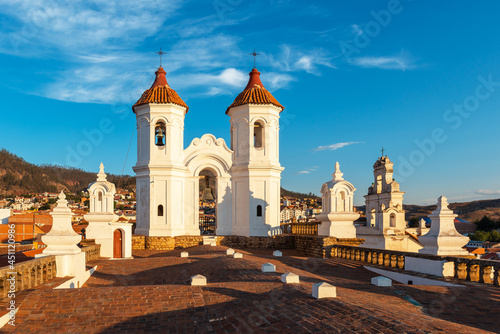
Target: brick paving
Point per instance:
(151, 293)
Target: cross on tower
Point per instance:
(160, 53)
(382, 151)
(254, 54)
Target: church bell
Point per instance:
(159, 137)
(207, 195)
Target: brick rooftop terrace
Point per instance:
(151, 293)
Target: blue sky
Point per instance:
(420, 78)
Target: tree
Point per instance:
(413, 222)
(485, 224)
(45, 206)
(494, 236)
(479, 236)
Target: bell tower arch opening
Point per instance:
(160, 134)
(208, 201)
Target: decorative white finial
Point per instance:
(442, 207)
(101, 176)
(62, 203)
(421, 223)
(337, 175)
(443, 238)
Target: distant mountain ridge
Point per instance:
(294, 194)
(18, 176)
(470, 211)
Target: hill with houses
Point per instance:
(18, 177)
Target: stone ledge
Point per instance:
(313, 246)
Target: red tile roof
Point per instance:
(33, 218)
(23, 231)
(255, 93)
(160, 92)
(489, 256)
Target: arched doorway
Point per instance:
(117, 243)
(208, 202)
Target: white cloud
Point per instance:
(277, 80)
(213, 91)
(356, 30)
(75, 27)
(289, 60)
(232, 77)
(191, 28)
(96, 45)
(387, 63)
(307, 171)
(228, 77)
(334, 147)
(487, 192)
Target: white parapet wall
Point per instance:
(440, 268)
(77, 281)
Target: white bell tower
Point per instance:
(256, 170)
(160, 169)
(384, 202)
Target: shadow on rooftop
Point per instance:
(283, 309)
(469, 306)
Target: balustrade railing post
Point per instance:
(380, 259)
(387, 260)
(3, 287)
(401, 261)
(394, 261)
(474, 273)
(496, 275)
(461, 270)
(374, 257)
(485, 274)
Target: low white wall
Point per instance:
(78, 281)
(440, 268)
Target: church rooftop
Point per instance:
(151, 293)
(255, 93)
(160, 92)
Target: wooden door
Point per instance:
(117, 244)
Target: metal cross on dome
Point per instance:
(254, 54)
(382, 151)
(160, 53)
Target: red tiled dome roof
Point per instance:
(254, 93)
(160, 92)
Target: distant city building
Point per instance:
(4, 215)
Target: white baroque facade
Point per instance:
(386, 224)
(384, 202)
(247, 174)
